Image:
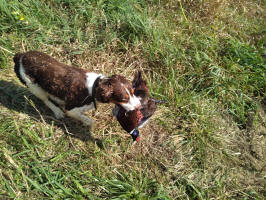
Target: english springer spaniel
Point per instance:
(70, 90)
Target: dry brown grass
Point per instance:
(205, 10)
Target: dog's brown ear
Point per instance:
(140, 86)
(104, 91)
(137, 79)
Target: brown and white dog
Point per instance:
(71, 90)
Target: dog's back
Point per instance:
(52, 76)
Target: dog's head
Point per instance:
(118, 90)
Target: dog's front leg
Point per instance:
(78, 114)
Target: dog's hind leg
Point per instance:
(35, 89)
(78, 114)
(41, 94)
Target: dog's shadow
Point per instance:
(18, 98)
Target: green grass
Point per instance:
(205, 58)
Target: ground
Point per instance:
(206, 59)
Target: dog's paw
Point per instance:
(59, 114)
(91, 127)
(88, 122)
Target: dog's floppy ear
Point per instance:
(140, 86)
(104, 91)
(137, 79)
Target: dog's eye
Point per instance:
(127, 96)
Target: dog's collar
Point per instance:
(95, 85)
(92, 82)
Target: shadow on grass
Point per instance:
(16, 97)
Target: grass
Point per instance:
(205, 58)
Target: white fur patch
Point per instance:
(132, 104)
(22, 72)
(57, 100)
(90, 79)
(78, 114)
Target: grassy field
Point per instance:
(206, 58)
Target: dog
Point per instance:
(69, 90)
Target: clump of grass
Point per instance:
(204, 10)
(127, 19)
(124, 188)
(249, 62)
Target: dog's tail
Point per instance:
(16, 59)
